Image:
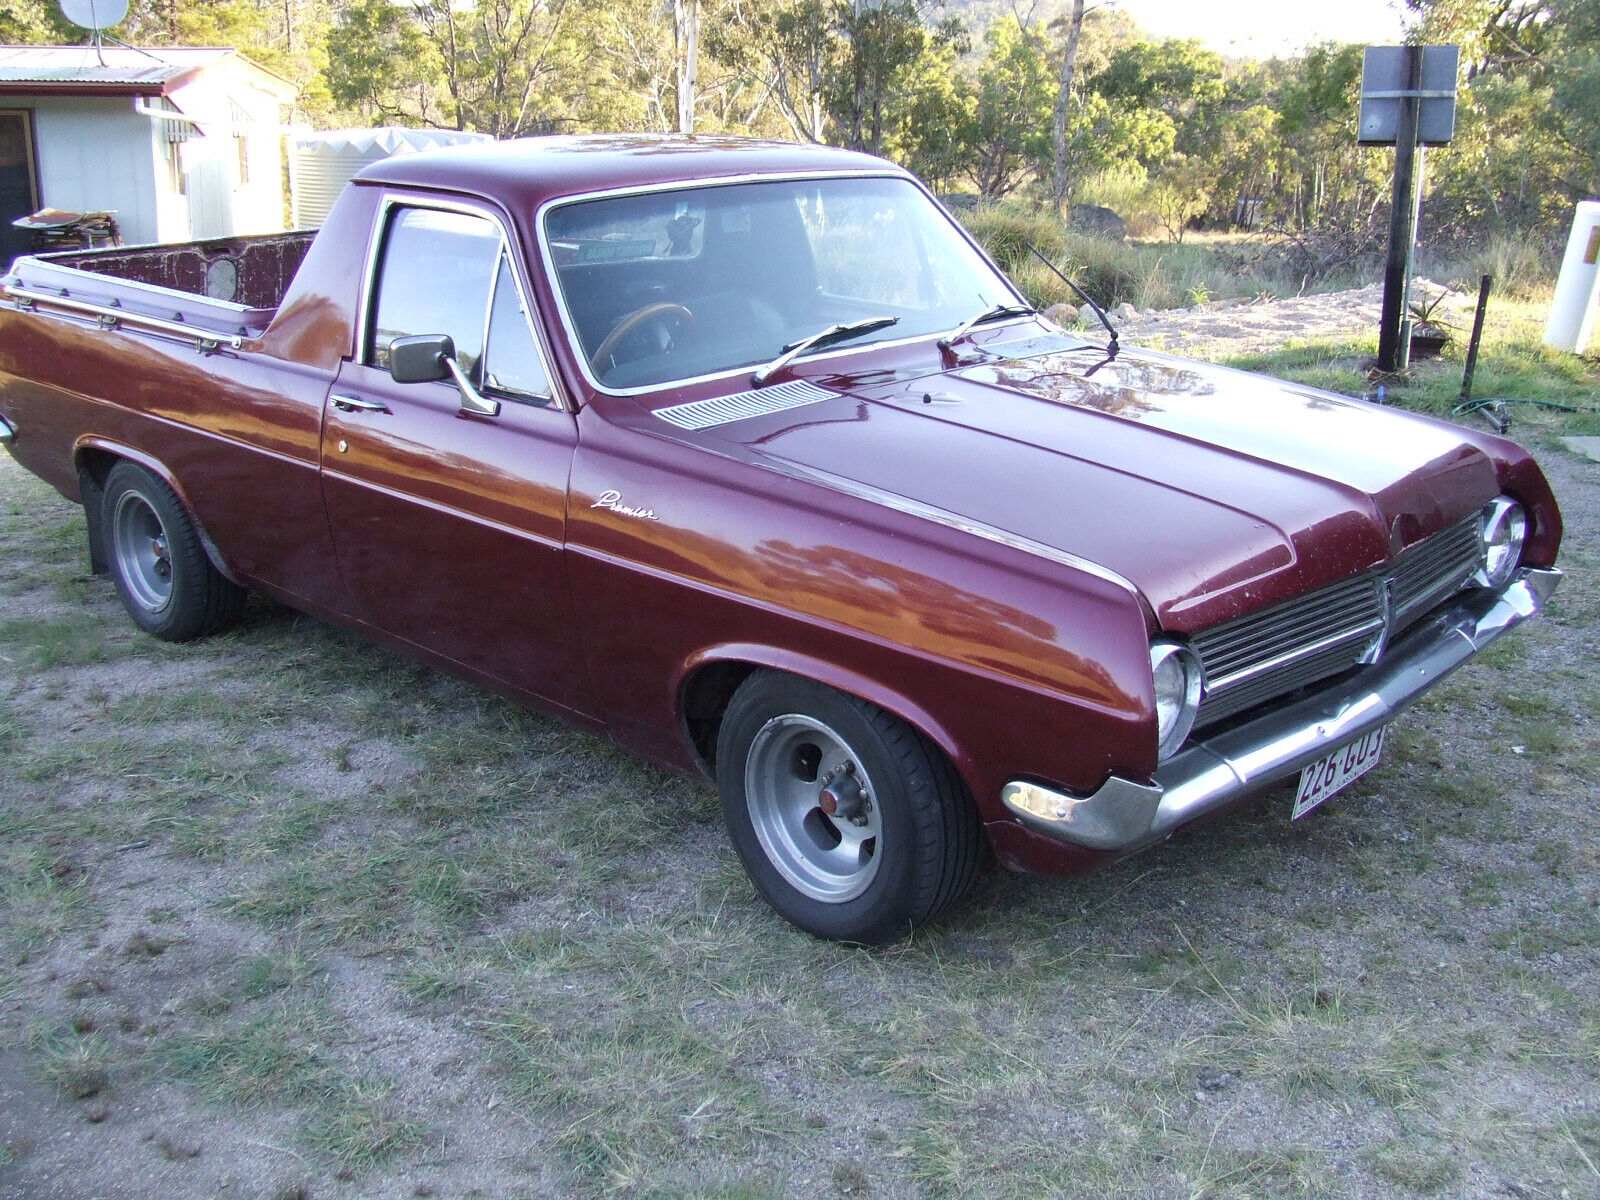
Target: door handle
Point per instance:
(352, 404)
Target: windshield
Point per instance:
(673, 285)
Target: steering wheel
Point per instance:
(659, 311)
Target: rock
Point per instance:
(1125, 312)
(960, 201)
(1062, 314)
(1213, 1079)
(1097, 222)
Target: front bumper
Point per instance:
(1216, 771)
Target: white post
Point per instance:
(1572, 310)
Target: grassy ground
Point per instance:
(1535, 383)
(287, 916)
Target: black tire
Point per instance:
(902, 840)
(163, 574)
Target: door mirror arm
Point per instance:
(472, 400)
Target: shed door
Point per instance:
(19, 190)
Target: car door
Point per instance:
(449, 521)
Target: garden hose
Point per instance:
(1494, 410)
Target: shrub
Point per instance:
(1523, 266)
(1006, 229)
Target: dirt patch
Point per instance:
(1220, 328)
(287, 916)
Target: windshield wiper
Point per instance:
(824, 337)
(993, 313)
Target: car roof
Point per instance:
(527, 172)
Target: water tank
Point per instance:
(320, 164)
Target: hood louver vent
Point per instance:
(723, 410)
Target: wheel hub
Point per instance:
(842, 794)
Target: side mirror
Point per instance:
(431, 358)
(421, 359)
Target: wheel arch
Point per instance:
(94, 458)
(709, 680)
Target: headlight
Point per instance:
(1502, 528)
(1178, 679)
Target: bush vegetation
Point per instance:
(1162, 274)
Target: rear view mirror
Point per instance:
(421, 359)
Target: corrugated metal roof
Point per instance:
(63, 68)
(383, 140)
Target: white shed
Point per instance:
(182, 142)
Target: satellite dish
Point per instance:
(94, 14)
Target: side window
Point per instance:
(511, 361)
(435, 278)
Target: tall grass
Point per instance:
(1155, 275)
(1180, 275)
(1523, 266)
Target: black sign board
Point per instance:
(1383, 87)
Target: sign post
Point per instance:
(1408, 100)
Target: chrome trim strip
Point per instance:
(110, 318)
(950, 520)
(8, 432)
(1213, 773)
(448, 510)
(399, 198)
(569, 327)
(46, 263)
(1224, 682)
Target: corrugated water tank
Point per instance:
(320, 164)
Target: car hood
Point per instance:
(1214, 492)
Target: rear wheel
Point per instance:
(851, 823)
(162, 572)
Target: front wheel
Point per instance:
(163, 575)
(851, 823)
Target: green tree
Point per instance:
(878, 44)
(382, 65)
(1015, 96)
(1528, 124)
(35, 22)
(935, 135)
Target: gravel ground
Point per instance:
(1221, 328)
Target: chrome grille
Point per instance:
(1323, 633)
(1438, 567)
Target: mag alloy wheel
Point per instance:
(143, 553)
(813, 807)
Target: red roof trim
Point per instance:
(67, 87)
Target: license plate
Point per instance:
(1340, 769)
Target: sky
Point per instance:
(1260, 28)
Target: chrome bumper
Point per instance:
(1215, 771)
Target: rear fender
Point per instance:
(93, 457)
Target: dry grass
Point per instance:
(414, 937)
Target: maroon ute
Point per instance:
(746, 455)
